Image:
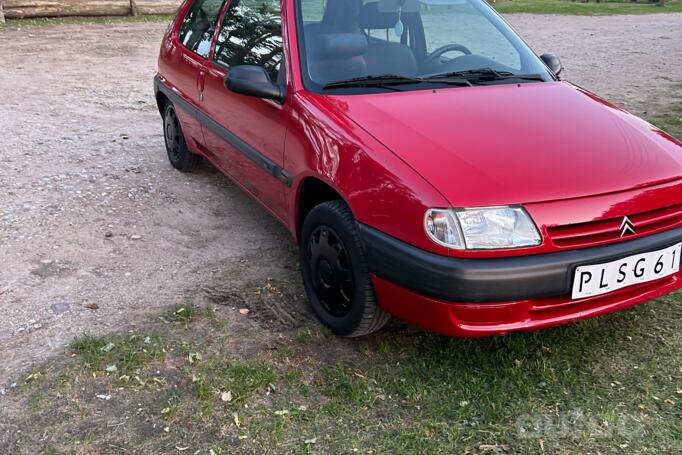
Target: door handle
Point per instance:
(201, 83)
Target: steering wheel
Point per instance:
(438, 53)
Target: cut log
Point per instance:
(19, 9)
(157, 6)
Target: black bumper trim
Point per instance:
(492, 280)
(225, 134)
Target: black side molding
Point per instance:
(265, 163)
(492, 280)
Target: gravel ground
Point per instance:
(97, 230)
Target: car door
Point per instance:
(186, 60)
(246, 133)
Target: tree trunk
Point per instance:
(2, 14)
(133, 8)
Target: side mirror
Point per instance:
(553, 62)
(252, 80)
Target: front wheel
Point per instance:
(335, 273)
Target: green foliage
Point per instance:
(605, 385)
(670, 123)
(184, 313)
(241, 379)
(590, 8)
(117, 355)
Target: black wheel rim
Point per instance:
(330, 271)
(172, 134)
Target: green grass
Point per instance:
(42, 21)
(241, 379)
(585, 9)
(593, 386)
(606, 385)
(120, 356)
(670, 123)
(559, 386)
(184, 313)
(309, 334)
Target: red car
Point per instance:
(427, 162)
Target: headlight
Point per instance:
(482, 228)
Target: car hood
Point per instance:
(516, 143)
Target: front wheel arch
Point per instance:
(311, 193)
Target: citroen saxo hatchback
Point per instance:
(428, 163)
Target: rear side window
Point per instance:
(198, 26)
(251, 34)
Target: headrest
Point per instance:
(370, 17)
(342, 14)
(384, 13)
(331, 46)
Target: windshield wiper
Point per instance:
(372, 81)
(486, 74)
(386, 80)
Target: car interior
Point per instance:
(341, 45)
(358, 38)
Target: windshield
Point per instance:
(346, 44)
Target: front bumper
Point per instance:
(480, 297)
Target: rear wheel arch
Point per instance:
(161, 101)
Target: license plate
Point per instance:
(591, 280)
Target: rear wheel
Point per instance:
(335, 272)
(176, 147)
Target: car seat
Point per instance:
(336, 45)
(383, 56)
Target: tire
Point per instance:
(176, 147)
(335, 274)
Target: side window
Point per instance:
(196, 30)
(251, 34)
